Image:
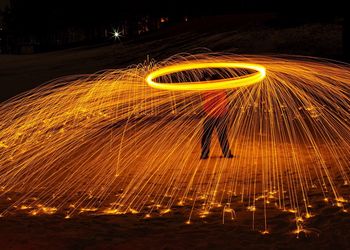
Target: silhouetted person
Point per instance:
(215, 105)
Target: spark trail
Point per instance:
(109, 143)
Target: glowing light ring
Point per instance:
(207, 85)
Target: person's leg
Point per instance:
(222, 134)
(208, 127)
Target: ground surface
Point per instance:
(329, 229)
(170, 232)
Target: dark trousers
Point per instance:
(220, 123)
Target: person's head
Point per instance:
(207, 76)
(216, 76)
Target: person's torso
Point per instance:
(215, 103)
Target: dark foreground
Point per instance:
(329, 229)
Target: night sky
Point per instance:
(28, 20)
(102, 10)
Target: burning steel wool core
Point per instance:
(108, 143)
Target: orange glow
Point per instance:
(165, 211)
(109, 143)
(207, 85)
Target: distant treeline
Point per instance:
(40, 25)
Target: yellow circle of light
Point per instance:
(207, 85)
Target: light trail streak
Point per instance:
(240, 81)
(109, 143)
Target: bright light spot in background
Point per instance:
(116, 34)
(164, 19)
